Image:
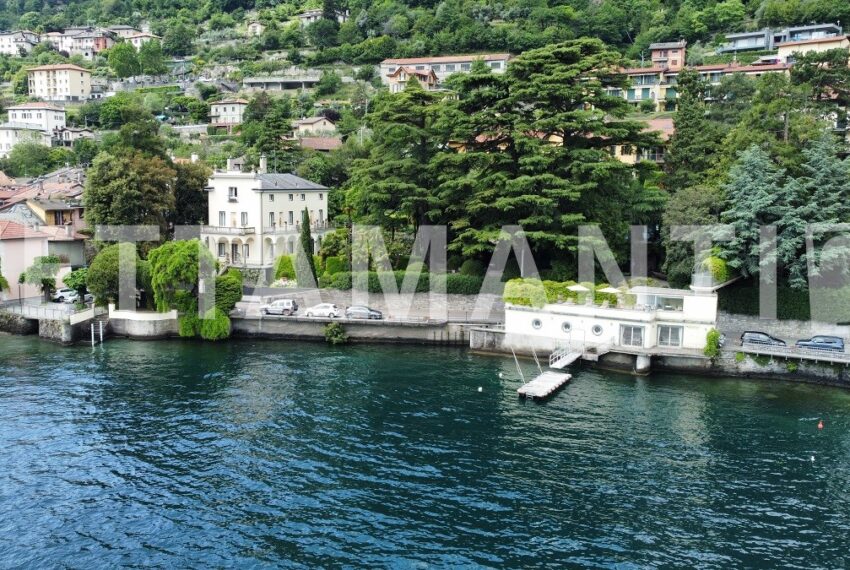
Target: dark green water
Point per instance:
(267, 454)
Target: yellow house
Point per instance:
(788, 51)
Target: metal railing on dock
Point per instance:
(793, 352)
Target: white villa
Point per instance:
(255, 217)
(30, 122)
(661, 321)
(227, 112)
(18, 42)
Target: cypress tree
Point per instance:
(305, 268)
(696, 140)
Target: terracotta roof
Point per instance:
(668, 45)
(664, 126)
(321, 143)
(14, 230)
(826, 40)
(58, 66)
(230, 102)
(448, 58)
(60, 233)
(418, 72)
(36, 105)
(312, 121)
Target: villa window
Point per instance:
(450, 67)
(222, 219)
(271, 197)
(536, 323)
(232, 193)
(244, 219)
(303, 197)
(291, 197)
(321, 215)
(321, 196)
(631, 335)
(669, 335)
(246, 251)
(596, 330)
(566, 326)
(271, 219)
(222, 251)
(291, 218)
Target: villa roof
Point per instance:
(668, 45)
(36, 105)
(14, 230)
(312, 120)
(58, 66)
(286, 182)
(448, 58)
(664, 126)
(230, 102)
(321, 143)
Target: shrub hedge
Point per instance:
(454, 283)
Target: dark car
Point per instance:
(362, 312)
(756, 337)
(831, 343)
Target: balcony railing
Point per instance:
(230, 231)
(296, 227)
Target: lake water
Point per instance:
(269, 454)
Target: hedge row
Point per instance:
(454, 283)
(536, 293)
(742, 298)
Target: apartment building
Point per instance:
(443, 66)
(767, 39)
(658, 85)
(255, 217)
(31, 123)
(59, 82)
(19, 42)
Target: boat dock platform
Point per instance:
(544, 385)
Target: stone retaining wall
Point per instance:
(363, 331)
(16, 324)
(789, 331)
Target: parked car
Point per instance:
(70, 296)
(328, 310)
(280, 307)
(756, 337)
(363, 312)
(821, 342)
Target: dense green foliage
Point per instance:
(175, 267)
(335, 334)
(228, 290)
(284, 268)
(712, 344)
(76, 280)
(42, 273)
(102, 278)
(215, 325)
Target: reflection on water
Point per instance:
(281, 453)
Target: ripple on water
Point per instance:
(279, 453)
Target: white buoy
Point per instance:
(500, 375)
(813, 458)
(480, 389)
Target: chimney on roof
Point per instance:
(264, 164)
